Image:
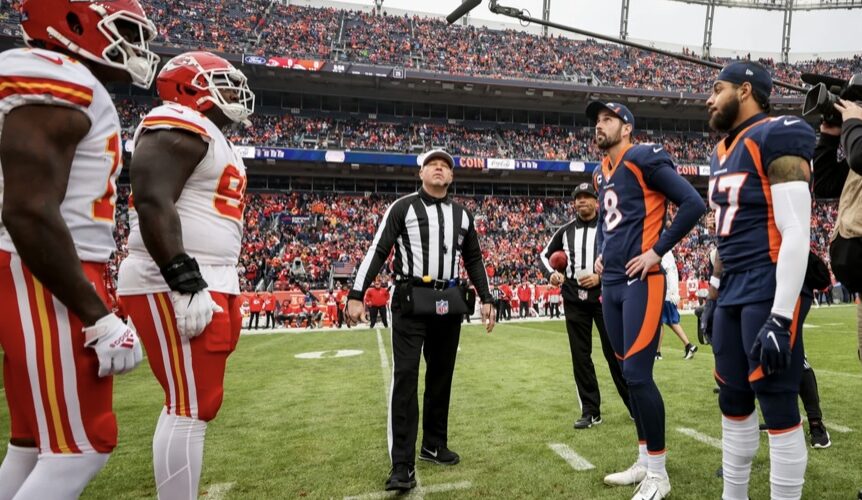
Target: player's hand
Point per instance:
(589, 281)
(355, 312)
(488, 317)
(116, 344)
(772, 345)
(706, 320)
(599, 266)
(557, 278)
(641, 264)
(848, 109)
(193, 311)
(828, 129)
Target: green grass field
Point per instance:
(316, 428)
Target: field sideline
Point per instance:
(315, 427)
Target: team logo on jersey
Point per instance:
(442, 307)
(582, 295)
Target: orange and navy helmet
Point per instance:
(200, 80)
(92, 30)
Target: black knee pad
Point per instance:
(735, 403)
(780, 409)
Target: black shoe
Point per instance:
(587, 421)
(440, 455)
(402, 478)
(763, 427)
(819, 435)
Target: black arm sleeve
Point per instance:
(851, 139)
(475, 265)
(829, 173)
(384, 240)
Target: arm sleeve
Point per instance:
(830, 173)
(471, 252)
(384, 240)
(851, 139)
(554, 244)
(669, 265)
(792, 209)
(691, 206)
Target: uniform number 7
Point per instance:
(731, 185)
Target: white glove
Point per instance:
(193, 311)
(116, 345)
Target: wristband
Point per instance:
(183, 275)
(715, 282)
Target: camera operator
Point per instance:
(838, 172)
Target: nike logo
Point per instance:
(629, 282)
(55, 60)
(411, 473)
(791, 122)
(771, 336)
(656, 150)
(432, 453)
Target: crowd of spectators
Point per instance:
(275, 29)
(293, 240)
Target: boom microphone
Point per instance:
(462, 10)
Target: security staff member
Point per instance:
(581, 292)
(429, 233)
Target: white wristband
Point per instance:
(715, 282)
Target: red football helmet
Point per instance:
(90, 30)
(200, 81)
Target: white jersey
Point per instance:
(210, 208)
(44, 77)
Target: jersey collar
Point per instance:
(430, 199)
(733, 137)
(608, 169)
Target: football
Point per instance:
(559, 261)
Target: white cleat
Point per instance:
(654, 487)
(633, 475)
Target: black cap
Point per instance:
(756, 74)
(585, 187)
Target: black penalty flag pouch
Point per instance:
(427, 301)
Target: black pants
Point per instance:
(524, 310)
(341, 318)
(579, 325)
(382, 312)
(809, 394)
(555, 310)
(254, 319)
(440, 336)
(270, 316)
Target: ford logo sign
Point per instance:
(255, 60)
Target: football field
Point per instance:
(314, 426)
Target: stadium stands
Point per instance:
(256, 27)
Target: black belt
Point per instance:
(429, 283)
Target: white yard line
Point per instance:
(855, 376)
(218, 491)
(576, 461)
(699, 436)
(385, 367)
(418, 492)
(832, 426)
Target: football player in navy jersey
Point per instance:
(635, 182)
(759, 189)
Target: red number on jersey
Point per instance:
(106, 205)
(228, 200)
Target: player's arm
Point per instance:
(37, 148)
(683, 195)
(162, 163)
(471, 252)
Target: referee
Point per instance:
(429, 233)
(582, 305)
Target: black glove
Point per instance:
(706, 321)
(183, 275)
(772, 345)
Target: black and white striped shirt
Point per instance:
(578, 240)
(429, 236)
